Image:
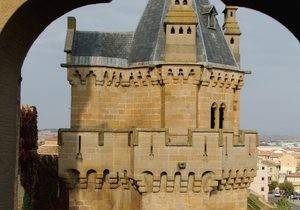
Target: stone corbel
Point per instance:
(205, 77)
(83, 182)
(114, 180)
(197, 186)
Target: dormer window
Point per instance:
(185, 2)
(181, 30)
(211, 12)
(189, 31)
(177, 2)
(212, 21)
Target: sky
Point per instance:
(270, 99)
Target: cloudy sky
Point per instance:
(270, 98)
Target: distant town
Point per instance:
(280, 140)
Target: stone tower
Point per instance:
(232, 31)
(155, 115)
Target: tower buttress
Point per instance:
(232, 31)
(180, 27)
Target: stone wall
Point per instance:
(104, 199)
(224, 200)
(149, 166)
(178, 97)
(145, 133)
(112, 105)
(154, 150)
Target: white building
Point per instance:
(289, 163)
(260, 183)
(273, 170)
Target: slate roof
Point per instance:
(145, 46)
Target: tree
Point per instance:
(284, 204)
(28, 157)
(287, 187)
(39, 174)
(272, 186)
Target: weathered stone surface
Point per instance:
(21, 22)
(163, 136)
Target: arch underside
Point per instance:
(16, 38)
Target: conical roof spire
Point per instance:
(146, 46)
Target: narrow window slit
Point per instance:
(205, 146)
(221, 115)
(151, 147)
(226, 146)
(249, 147)
(79, 155)
(213, 116)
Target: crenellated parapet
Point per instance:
(148, 160)
(115, 77)
(159, 75)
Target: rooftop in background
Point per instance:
(277, 152)
(294, 175)
(48, 144)
(47, 135)
(269, 163)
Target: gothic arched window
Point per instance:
(221, 116)
(185, 2)
(181, 30)
(213, 116)
(177, 2)
(172, 30)
(189, 31)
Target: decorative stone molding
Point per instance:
(236, 180)
(140, 77)
(148, 182)
(133, 135)
(222, 79)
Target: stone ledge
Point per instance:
(133, 139)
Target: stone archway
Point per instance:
(21, 22)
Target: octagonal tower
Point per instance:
(155, 114)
